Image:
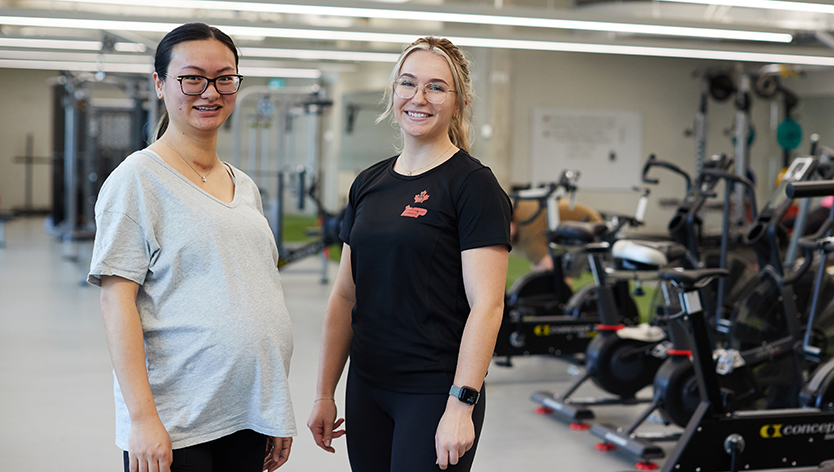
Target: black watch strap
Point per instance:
(465, 394)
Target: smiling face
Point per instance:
(417, 117)
(202, 113)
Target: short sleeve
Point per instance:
(350, 214)
(120, 248)
(484, 212)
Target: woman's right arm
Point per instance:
(149, 444)
(335, 348)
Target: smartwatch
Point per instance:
(465, 394)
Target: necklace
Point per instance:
(411, 172)
(188, 164)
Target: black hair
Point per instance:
(180, 34)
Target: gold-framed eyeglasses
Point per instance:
(197, 84)
(434, 92)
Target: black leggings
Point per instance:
(394, 432)
(242, 451)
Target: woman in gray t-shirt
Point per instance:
(194, 312)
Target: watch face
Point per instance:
(468, 395)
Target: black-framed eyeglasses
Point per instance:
(197, 84)
(406, 89)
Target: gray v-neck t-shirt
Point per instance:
(218, 338)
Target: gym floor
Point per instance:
(56, 404)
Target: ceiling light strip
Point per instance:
(146, 69)
(646, 51)
(411, 15)
(766, 4)
(69, 44)
(333, 35)
(287, 33)
(312, 54)
(277, 53)
(294, 33)
(50, 44)
(76, 66)
(130, 47)
(145, 26)
(73, 56)
(280, 72)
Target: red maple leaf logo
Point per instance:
(413, 212)
(422, 197)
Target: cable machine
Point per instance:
(283, 151)
(99, 121)
(740, 85)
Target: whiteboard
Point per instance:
(605, 146)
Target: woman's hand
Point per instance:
(149, 447)
(455, 434)
(323, 423)
(277, 452)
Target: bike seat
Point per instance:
(577, 233)
(647, 255)
(596, 248)
(643, 332)
(691, 279)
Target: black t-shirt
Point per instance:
(406, 234)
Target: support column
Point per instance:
(500, 113)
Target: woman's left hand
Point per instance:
(455, 434)
(277, 452)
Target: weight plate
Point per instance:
(766, 85)
(721, 87)
(789, 134)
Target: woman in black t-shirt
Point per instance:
(419, 296)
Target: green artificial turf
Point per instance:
(516, 267)
(302, 229)
(296, 226)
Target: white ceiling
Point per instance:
(278, 42)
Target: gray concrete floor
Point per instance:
(56, 406)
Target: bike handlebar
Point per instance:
(653, 162)
(748, 186)
(810, 189)
(538, 193)
(567, 182)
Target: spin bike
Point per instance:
(620, 360)
(716, 439)
(686, 228)
(676, 394)
(542, 315)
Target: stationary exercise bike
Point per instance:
(779, 311)
(542, 315)
(686, 228)
(619, 359)
(676, 395)
(623, 361)
(717, 439)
